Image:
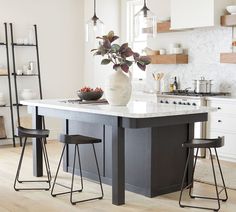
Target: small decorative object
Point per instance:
(118, 88)
(159, 82)
(27, 94)
(231, 9)
(19, 72)
(149, 51)
(89, 94)
(162, 51)
(234, 45)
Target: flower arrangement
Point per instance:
(121, 56)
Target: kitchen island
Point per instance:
(141, 143)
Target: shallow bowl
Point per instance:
(88, 96)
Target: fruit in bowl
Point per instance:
(89, 94)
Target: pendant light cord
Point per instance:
(94, 9)
(145, 3)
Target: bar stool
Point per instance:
(77, 140)
(42, 135)
(208, 144)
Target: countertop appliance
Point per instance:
(191, 98)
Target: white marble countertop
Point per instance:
(222, 98)
(135, 109)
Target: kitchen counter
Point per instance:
(135, 109)
(141, 144)
(222, 98)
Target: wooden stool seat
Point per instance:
(32, 133)
(78, 139)
(205, 143)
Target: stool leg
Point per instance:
(222, 177)
(194, 166)
(214, 174)
(46, 163)
(99, 175)
(46, 156)
(53, 186)
(100, 181)
(19, 165)
(73, 174)
(183, 179)
(80, 168)
(54, 182)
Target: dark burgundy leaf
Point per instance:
(114, 38)
(125, 68)
(128, 52)
(107, 44)
(141, 66)
(145, 59)
(136, 55)
(116, 66)
(123, 47)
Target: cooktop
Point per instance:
(193, 93)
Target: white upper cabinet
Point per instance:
(186, 14)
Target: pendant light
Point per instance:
(145, 23)
(94, 27)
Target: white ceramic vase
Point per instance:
(118, 88)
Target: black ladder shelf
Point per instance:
(15, 76)
(8, 75)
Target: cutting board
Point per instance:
(2, 128)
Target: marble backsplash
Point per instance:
(204, 47)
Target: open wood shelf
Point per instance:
(161, 28)
(169, 59)
(228, 20)
(228, 58)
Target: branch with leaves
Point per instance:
(121, 56)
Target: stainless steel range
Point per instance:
(191, 98)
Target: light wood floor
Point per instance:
(27, 201)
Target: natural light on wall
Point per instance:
(133, 7)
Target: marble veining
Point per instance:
(135, 109)
(204, 48)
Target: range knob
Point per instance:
(180, 103)
(184, 103)
(188, 103)
(161, 101)
(167, 102)
(174, 102)
(194, 104)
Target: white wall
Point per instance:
(109, 12)
(61, 41)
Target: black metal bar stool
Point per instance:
(42, 135)
(77, 140)
(208, 144)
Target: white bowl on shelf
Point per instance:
(231, 9)
(27, 94)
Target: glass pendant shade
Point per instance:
(145, 24)
(94, 27)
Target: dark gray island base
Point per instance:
(154, 157)
(141, 143)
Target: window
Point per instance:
(133, 6)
